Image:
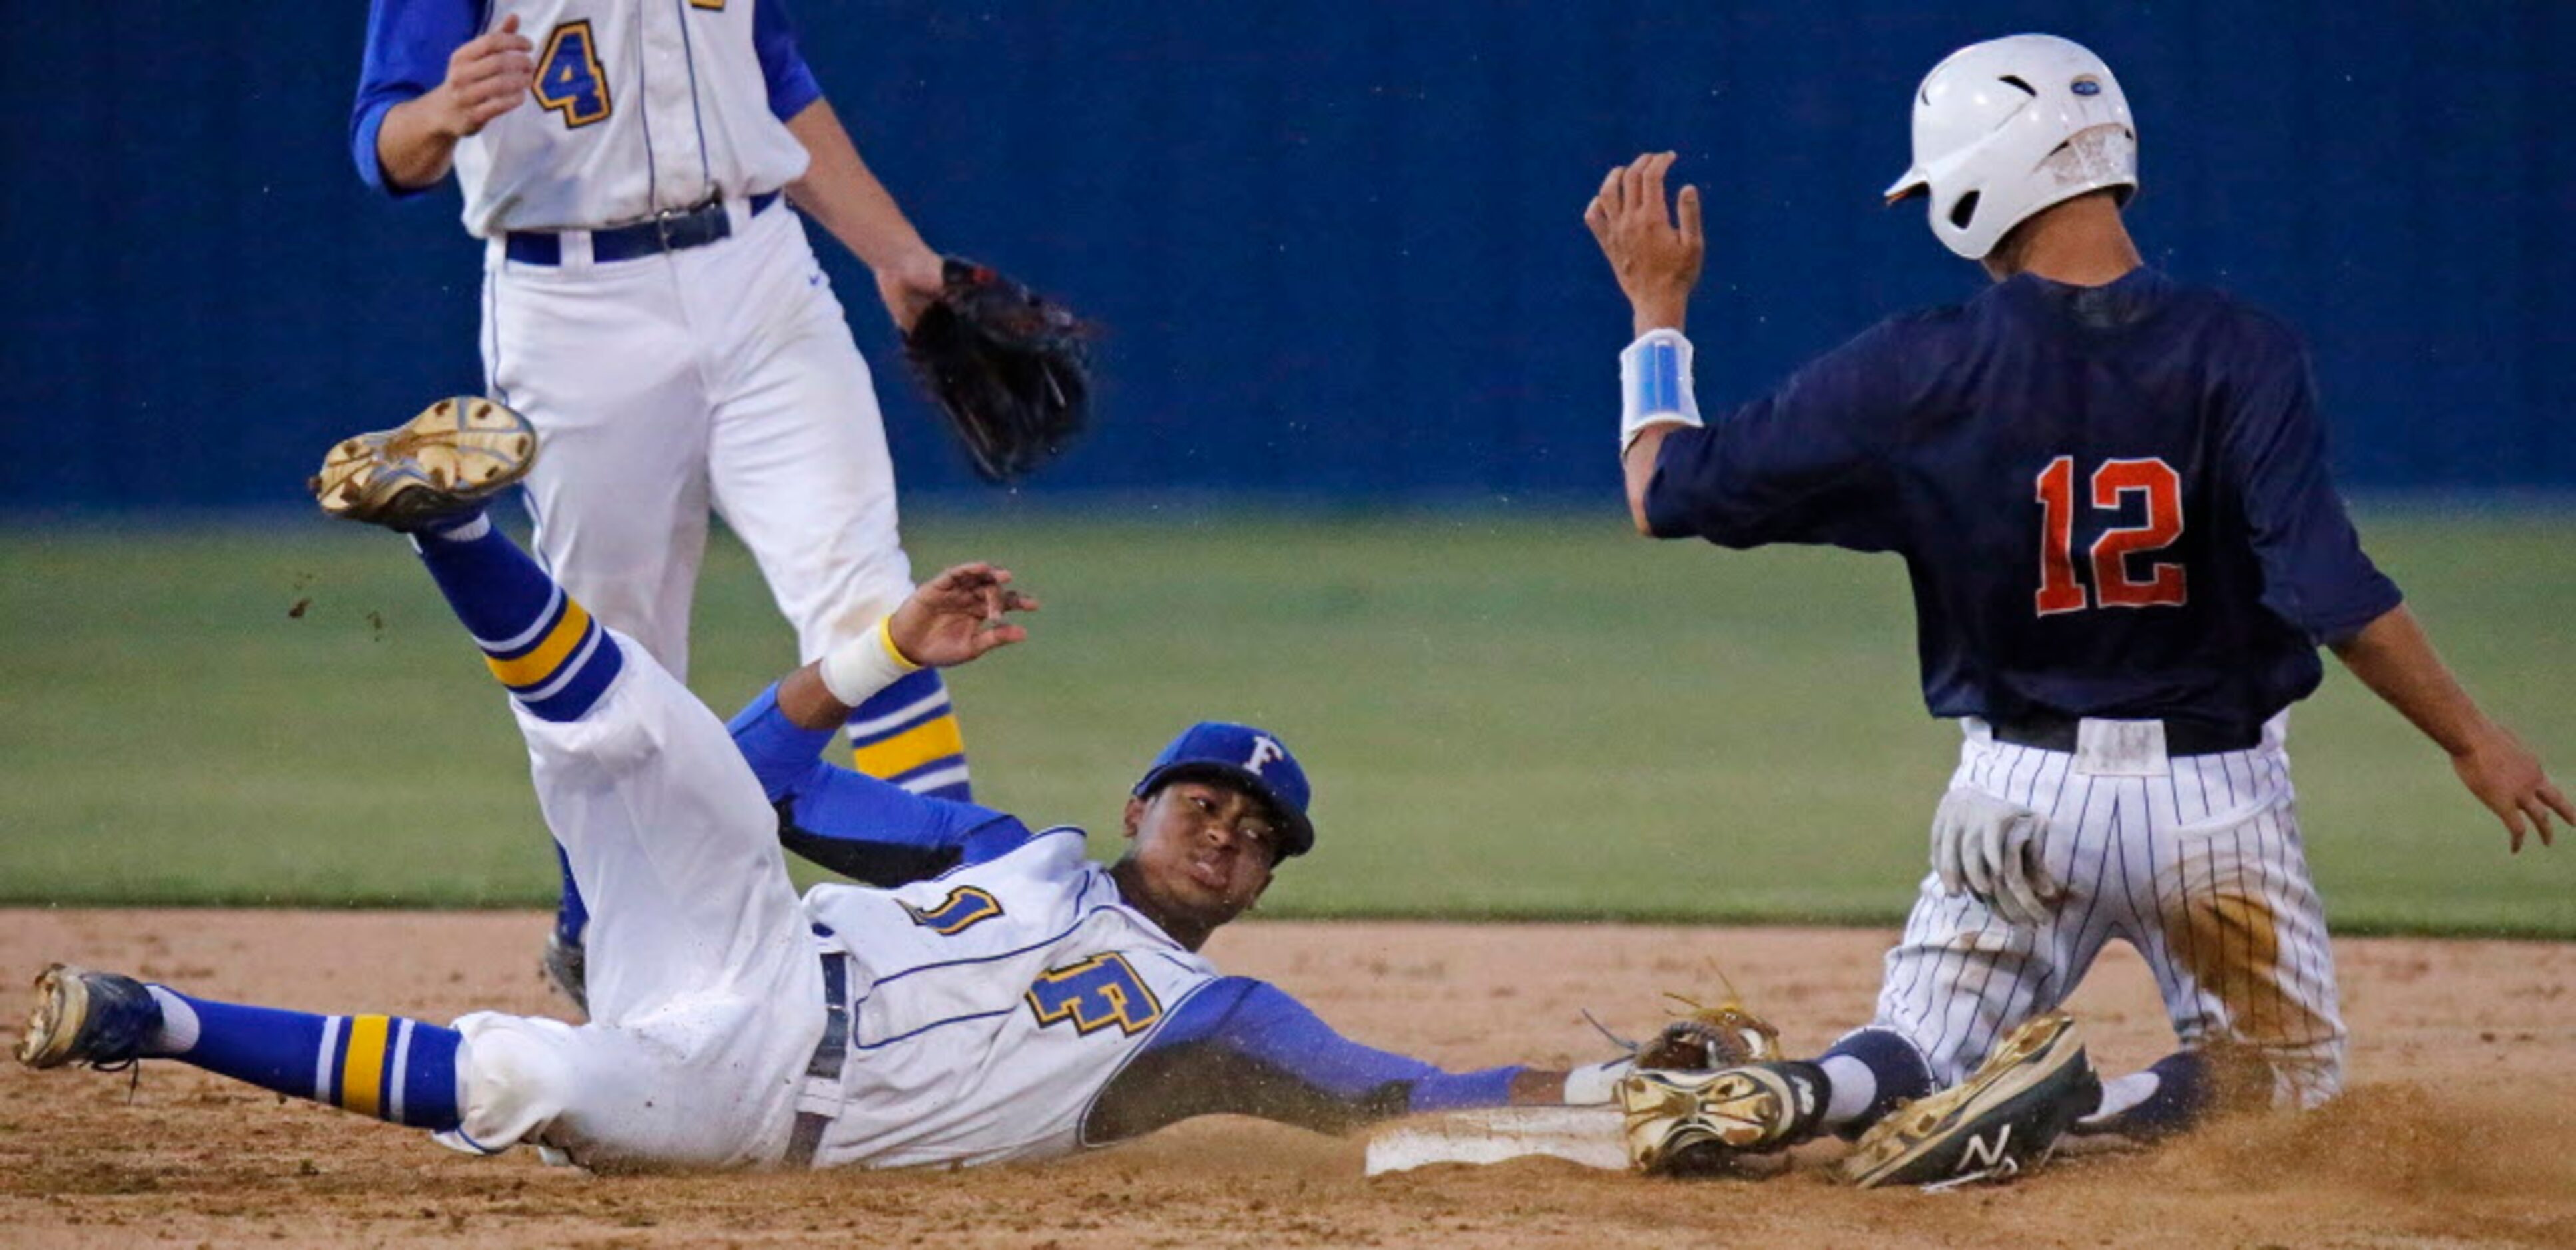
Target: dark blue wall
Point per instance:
(1337, 242)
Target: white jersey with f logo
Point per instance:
(989, 1006)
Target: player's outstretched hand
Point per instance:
(1656, 261)
(486, 77)
(959, 615)
(2507, 777)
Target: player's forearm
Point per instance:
(2392, 656)
(839, 191)
(1638, 463)
(417, 143)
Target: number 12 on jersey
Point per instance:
(2113, 587)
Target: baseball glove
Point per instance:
(1723, 1036)
(1009, 367)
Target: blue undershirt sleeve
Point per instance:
(408, 43)
(1258, 1021)
(1804, 464)
(853, 823)
(792, 88)
(2315, 575)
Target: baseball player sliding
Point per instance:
(1013, 1001)
(652, 307)
(2109, 489)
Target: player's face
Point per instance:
(1203, 848)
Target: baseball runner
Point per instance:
(1012, 1001)
(652, 307)
(2109, 488)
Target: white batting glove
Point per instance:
(1990, 848)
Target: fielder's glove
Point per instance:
(1009, 367)
(1723, 1036)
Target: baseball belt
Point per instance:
(2049, 732)
(670, 230)
(818, 1101)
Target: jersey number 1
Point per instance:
(2112, 585)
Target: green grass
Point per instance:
(1506, 715)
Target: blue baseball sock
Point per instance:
(384, 1066)
(555, 660)
(2172, 1095)
(1870, 1071)
(907, 734)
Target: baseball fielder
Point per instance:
(1020, 1003)
(2109, 489)
(651, 306)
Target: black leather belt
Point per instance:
(2182, 737)
(824, 1069)
(669, 231)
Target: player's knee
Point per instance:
(515, 1079)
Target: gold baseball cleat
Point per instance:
(457, 453)
(2003, 1120)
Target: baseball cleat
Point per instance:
(1694, 1123)
(566, 967)
(97, 1018)
(2001, 1121)
(457, 453)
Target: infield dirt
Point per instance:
(2463, 1084)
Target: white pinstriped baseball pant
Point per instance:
(2200, 869)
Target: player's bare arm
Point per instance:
(839, 191)
(958, 616)
(1656, 259)
(486, 77)
(2393, 657)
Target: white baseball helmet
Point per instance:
(2005, 128)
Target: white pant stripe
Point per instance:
(322, 1062)
(402, 1067)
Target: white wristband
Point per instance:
(862, 666)
(1593, 1083)
(1655, 385)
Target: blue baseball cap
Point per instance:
(1243, 756)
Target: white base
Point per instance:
(1586, 1135)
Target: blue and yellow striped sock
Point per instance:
(384, 1066)
(907, 734)
(555, 660)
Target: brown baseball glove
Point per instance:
(1723, 1036)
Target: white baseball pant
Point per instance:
(717, 376)
(2198, 865)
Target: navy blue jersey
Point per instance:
(2112, 501)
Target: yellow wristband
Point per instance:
(885, 635)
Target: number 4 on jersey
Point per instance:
(569, 80)
(2113, 587)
